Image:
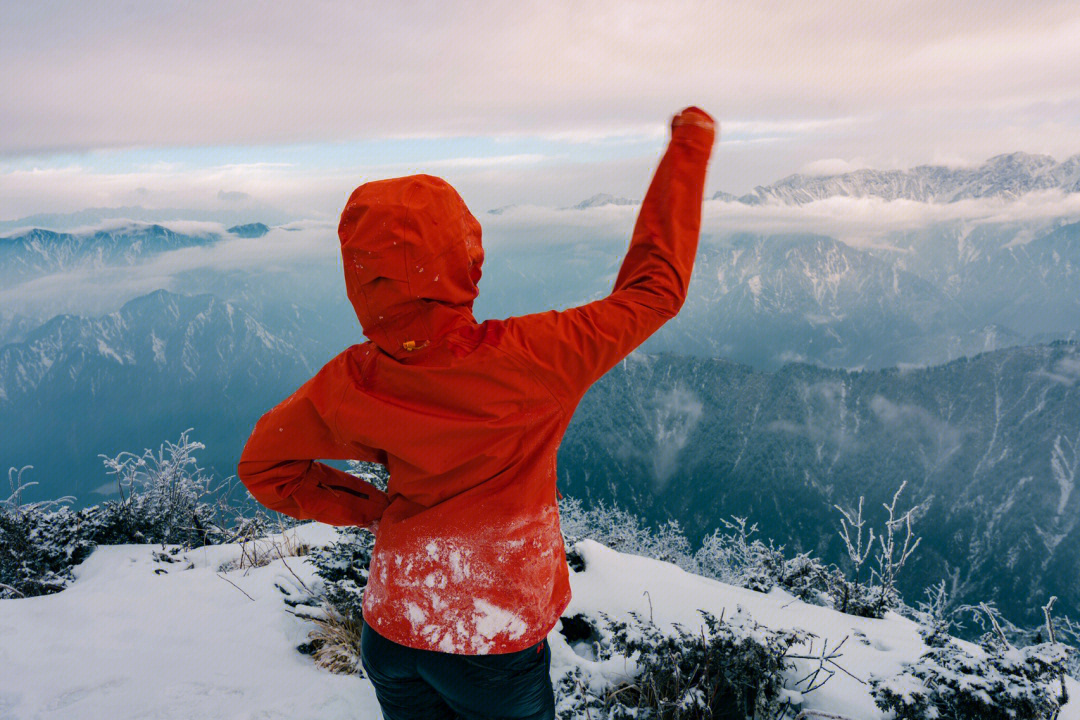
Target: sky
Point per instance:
(284, 108)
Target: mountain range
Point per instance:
(989, 447)
(802, 372)
(1009, 176)
(78, 387)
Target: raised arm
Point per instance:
(572, 349)
(278, 465)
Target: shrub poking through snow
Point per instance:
(336, 602)
(947, 682)
(624, 532)
(878, 594)
(731, 556)
(163, 499)
(163, 495)
(723, 669)
(39, 542)
(335, 642)
(343, 568)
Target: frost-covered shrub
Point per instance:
(948, 682)
(343, 568)
(576, 699)
(934, 616)
(39, 543)
(878, 594)
(625, 532)
(335, 605)
(163, 497)
(731, 556)
(723, 669)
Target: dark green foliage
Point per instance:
(725, 669)
(38, 548)
(165, 500)
(343, 567)
(343, 564)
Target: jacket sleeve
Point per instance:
(571, 349)
(278, 464)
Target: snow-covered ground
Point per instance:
(136, 638)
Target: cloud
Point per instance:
(675, 414)
(860, 222)
(840, 78)
(233, 196)
(296, 189)
(297, 247)
(1066, 371)
(829, 166)
(825, 417)
(938, 439)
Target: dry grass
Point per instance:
(336, 642)
(257, 552)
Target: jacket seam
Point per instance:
(341, 401)
(535, 376)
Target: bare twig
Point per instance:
(236, 586)
(11, 589)
(1053, 639)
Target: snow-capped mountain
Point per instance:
(601, 199)
(33, 253)
(934, 295)
(989, 445)
(76, 387)
(1007, 176)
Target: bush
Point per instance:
(343, 568)
(625, 532)
(336, 605)
(724, 669)
(947, 682)
(164, 499)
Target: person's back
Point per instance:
(467, 418)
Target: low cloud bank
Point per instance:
(861, 222)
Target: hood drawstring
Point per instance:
(411, 345)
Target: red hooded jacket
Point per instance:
(466, 416)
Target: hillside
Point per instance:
(137, 637)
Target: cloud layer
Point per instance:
(879, 84)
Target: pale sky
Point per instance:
(291, 105)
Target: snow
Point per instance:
(754, 284)
(137, 638)
(492, 620)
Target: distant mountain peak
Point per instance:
(1008, 175)
(601, 199)
(250, 230)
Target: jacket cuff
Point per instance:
(695, 127)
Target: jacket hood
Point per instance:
(412, 258)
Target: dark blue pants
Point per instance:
(422, 684)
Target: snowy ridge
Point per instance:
(1006, 176)
(601, 199)
(189, 639)
(183, 336)
(32, 253)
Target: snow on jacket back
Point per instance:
(467, 417)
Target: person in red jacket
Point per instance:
(468, 574)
